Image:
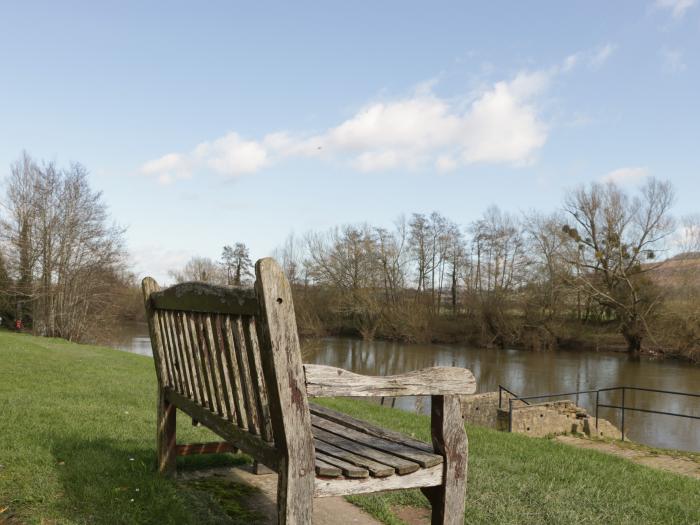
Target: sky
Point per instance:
(210, 123)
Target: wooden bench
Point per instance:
(230, 359)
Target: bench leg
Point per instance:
(165, 435)
(450, 440)
(295, 493)
(260, 469)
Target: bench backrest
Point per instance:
(234, 351)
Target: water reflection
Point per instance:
(526, 373)
(534, 373)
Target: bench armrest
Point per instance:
(329, 381)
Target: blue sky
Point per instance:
(210, 123)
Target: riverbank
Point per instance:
(574, 337)
(77, 434)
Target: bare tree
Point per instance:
(201, 269)
(547, 268)
(419, 233)
(62, 248)
(291, 256)
(500, 269)
(346, 259)
(616, 240)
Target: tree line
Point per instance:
(610, 268)
(62, 264)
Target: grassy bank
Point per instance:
(77, 446)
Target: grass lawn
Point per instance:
(77, 446)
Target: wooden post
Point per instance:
(166, 419)
(450, 440)
(289, 408)
(166, 434)
(260, 469)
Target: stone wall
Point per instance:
(559, 417)
(538, 420)
(482, 409)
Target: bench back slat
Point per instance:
(209, 351)
(206, 298)
(232, 356)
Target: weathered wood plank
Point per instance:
(450, 439)
(248, 386)
(255, 365)
(177, 350)
(375, 468)
(226, 380)
(174, 322)
(324, 381)
(206, 298)
(349, 470)
(186, 345)
(148, 287)
(424, 459)
(289, 408)
(191, 333)
(167, 357)
(369, 428)
(216, 368)
(245, 441)
(205, 360)
(326, 470)
(218, 447)
(428, 477)
(400, 465)
(166, 418)
(234, 373)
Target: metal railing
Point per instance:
(622, 407)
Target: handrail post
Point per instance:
(597, 398)
(623, 413)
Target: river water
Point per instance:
(525, 373)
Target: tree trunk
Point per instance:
(633, 333)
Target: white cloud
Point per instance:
(230, 155)
(601, 56)
(673, 60)
(168, 168)
(623, 176)
(500, 124)
(570, 62)
(677, 8)
(445, 163)
(157, 260)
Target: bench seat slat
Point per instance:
(348, 469)
(369, 428)
(401, 465)
(424, 459)
(375, 468)
(326, 470)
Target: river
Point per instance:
(525, 373)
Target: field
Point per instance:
(77, 426)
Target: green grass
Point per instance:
(518, 479)
(77, 446)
